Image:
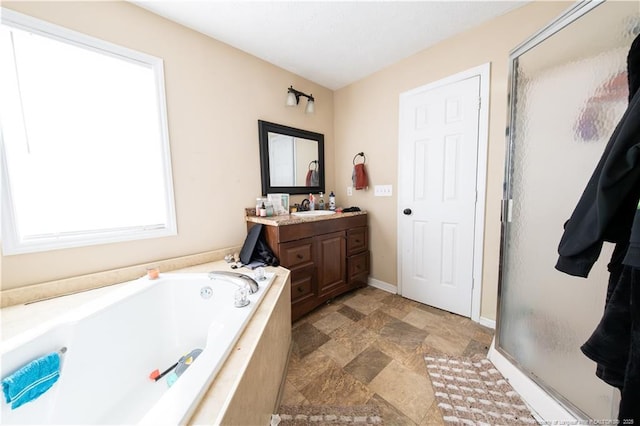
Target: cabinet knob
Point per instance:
(300, 290)
(300, 256)
(357, 241)
(407, 211)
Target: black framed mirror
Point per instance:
(291, 160)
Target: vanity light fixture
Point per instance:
(293, 98)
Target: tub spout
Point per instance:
(250, 282)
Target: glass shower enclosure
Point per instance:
(568, 91)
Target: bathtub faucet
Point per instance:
(250, 282)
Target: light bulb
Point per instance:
(311, 108)
(291, 99)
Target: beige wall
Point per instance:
(215, 96)
(366, 119)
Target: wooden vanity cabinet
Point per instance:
(326, 258)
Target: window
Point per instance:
(85, 149)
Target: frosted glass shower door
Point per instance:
(568, 90)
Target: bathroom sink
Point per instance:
(312, 213)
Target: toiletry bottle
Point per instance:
(312, 202)
(258, 206)
(332, 201)
(263, 210)
(321, 202)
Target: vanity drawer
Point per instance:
(357, 240)
(300, 289)
(301, 283)
(358, 266)
(296, 253)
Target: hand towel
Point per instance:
(313, 179)
(32, 380)
(359, 176)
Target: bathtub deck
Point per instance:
(19, 318)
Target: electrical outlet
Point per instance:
(349, 191)
(383, 191)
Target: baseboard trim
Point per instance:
(487, 322)
(382, 285)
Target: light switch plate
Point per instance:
(349, 191)
(383, 191)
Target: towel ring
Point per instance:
(360, 154)
(314, 162)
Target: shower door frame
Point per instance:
(565, 407)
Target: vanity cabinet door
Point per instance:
(331, 264)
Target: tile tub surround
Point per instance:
(367, 347)
(66, 286)
(243, 379)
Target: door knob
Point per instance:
(406, 211)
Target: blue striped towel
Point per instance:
(32, 380)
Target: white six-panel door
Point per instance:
(438, 157)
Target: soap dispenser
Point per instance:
(321, 202)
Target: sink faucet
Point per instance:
(304, 205)
(248, 281)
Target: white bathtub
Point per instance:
(115, 342)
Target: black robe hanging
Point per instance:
(608, 211)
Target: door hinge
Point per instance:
(506, 208)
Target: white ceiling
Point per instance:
(330, 43)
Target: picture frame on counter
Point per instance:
(280, 203)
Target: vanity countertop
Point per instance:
(293, 220)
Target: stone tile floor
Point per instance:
(367, 346)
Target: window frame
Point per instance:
(12, 242)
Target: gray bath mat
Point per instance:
(471, 391)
